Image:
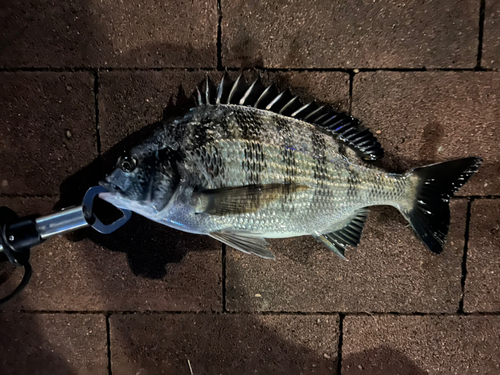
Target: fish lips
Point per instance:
(112, 194)
(111, 188)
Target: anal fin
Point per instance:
(247, 244)
(332, 245)
(349, 235)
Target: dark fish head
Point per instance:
(143, 181)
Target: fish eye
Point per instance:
(128, 164)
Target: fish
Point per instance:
(249, 162)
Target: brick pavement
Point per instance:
(80, 81)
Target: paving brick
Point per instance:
(128, 101)
(142, 266)
(336, 34)
(418, 345)
(428, 117)
(223, 344)
(53, 344)
(389, 271)
(99, 33)
(491, 35)
(482, 285)
(48, 129)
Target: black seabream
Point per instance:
(249, 162)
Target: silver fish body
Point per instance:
(243, 173)
(255, 147)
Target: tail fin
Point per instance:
(430, 215)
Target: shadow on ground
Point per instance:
(149, 246)
(380, 361)
(22, 334)
(144, 244)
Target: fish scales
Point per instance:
(259, 147)
(249, 163)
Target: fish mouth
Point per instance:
(111, 188)
(111, 194)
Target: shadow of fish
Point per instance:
(249, 163)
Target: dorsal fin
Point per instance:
(208, 93)
(342, 126)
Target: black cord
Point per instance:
(8, 249)
(28, 271)
(20, 259)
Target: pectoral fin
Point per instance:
(249, 245)
(242, 199)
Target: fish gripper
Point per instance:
(19, 235)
